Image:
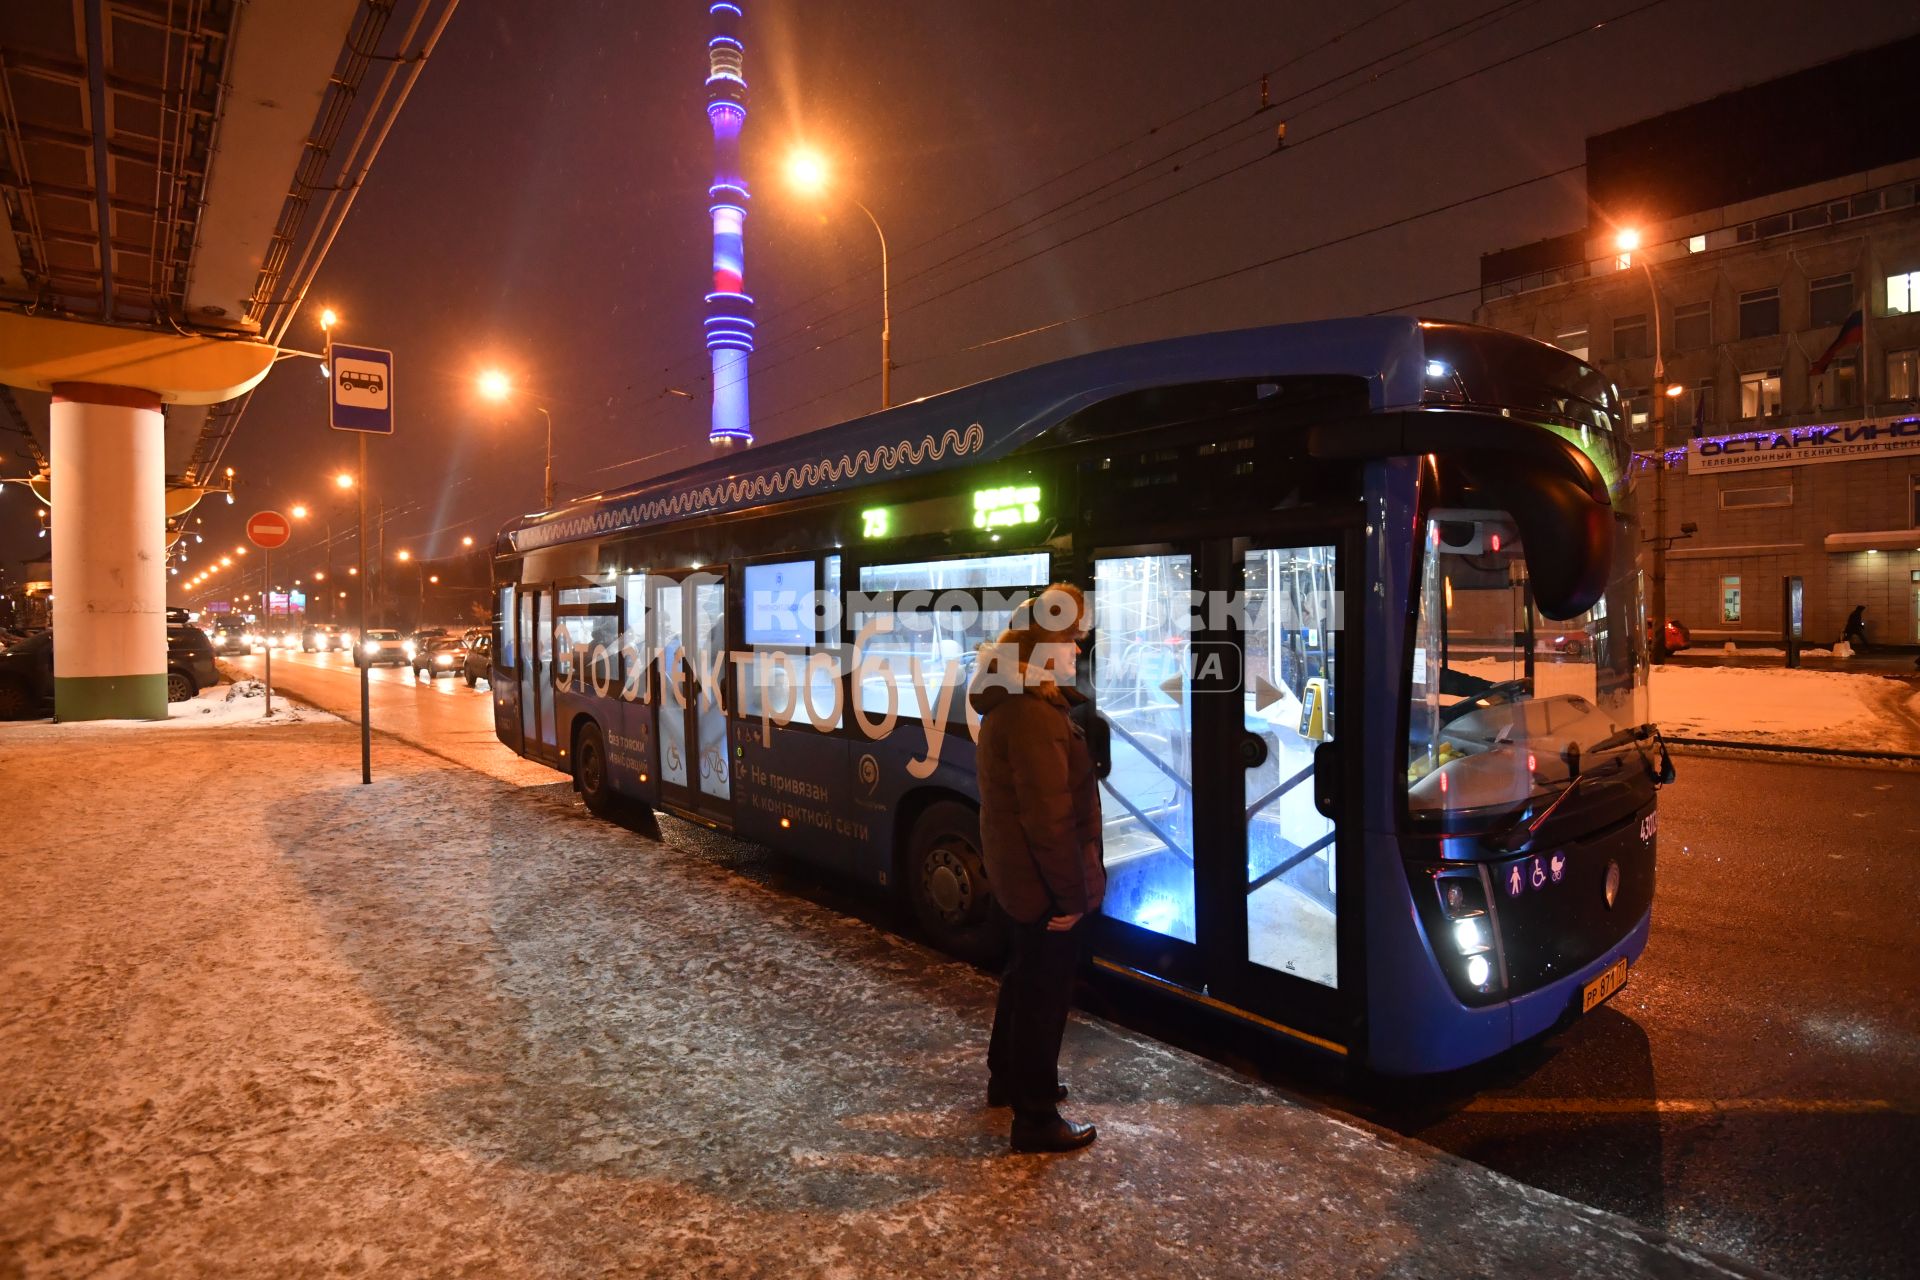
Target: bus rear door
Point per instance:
(690, 616)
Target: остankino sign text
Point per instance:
(1794, 446)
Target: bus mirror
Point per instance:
(1555, 493)
(1568, 536)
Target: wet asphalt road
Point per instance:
(1755, 1088)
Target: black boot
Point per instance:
(999, 1095)
(1054, 1133)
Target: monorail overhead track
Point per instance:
(176, 166)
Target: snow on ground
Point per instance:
(1788, 707)
(221, 706)
(446, 1025)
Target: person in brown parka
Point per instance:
(1040, 832)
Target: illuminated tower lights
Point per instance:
(729, 321)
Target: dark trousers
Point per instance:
(1031, 1016)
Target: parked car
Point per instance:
(324, 638)
(1678, 637)
(479, 663)
(26, 671)
(384, 646)
(232, 637)
(440, 656)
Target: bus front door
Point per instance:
(1221, 868)
(695, 764)
(1276, 890)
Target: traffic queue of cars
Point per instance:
(26, 659)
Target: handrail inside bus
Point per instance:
(1147, 822)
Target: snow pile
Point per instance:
(217, 706)
(241, 703)
(1777, 705)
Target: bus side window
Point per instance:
(504, 649)
(941, 612)
(633, 638)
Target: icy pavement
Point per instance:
(260, 1020)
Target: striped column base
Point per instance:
(110, 697)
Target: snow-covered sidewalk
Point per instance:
(241, 704)
(1770, 706)
(261, 1020)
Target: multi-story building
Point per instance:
(1751, 270)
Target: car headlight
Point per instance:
(409, 648)
(371, 647)
(445, 660)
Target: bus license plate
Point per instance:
(1603, 986)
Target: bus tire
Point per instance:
(945, 882)
(590, 773)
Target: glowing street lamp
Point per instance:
(809, 175)
(467, 541)
(495, 385)
(344, 480)
(405, 555)
(1627, 239)
(299, 511)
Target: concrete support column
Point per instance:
(109, 553)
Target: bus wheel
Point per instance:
(946, 881)
(590, 772)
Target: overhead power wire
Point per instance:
(1250, 162)
(1276, 259)
(1375, 112)
(1239, 87)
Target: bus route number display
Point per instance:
(986, 511)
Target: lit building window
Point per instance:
(1760, 394)
(1639, 407)
(1730, 599)
(1760, 313)
(1696, 244)
(1903, 375)
(1903, 293)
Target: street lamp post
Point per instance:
(495, 385)
(807, 172)
(1628, 242)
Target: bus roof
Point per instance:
(988, 420)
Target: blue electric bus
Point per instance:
(1367, 662)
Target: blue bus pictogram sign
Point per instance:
(361, 389)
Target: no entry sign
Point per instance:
(269, 529)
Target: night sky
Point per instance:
(541, 205)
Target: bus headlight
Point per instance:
(1470, 935)
(1478, 971)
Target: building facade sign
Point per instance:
(1794, 446)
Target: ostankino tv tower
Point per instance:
(729, 309)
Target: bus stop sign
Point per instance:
(269, 529)
(361, 379)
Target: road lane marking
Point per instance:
(1684, 1106)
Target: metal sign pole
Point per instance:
(360, 640)
(266, 573)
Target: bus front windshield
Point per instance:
(1507, 707)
